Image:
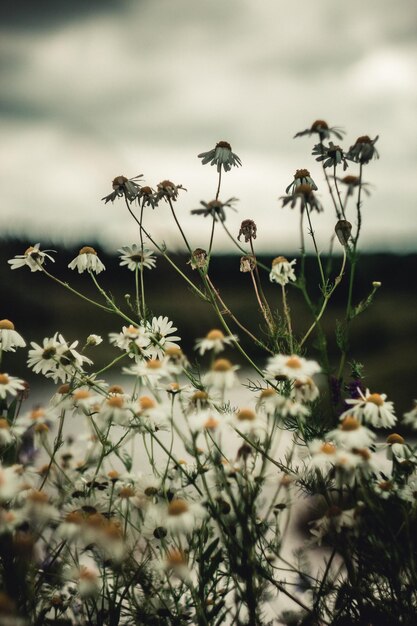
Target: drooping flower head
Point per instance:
(301, 177)
(221, 156)
(215, 209)
(122, 186)
(331, 155)
(363, 150)
(87, 260)
(248, 230)
(282, 271)
(168, 191)
(303, 194)
(9, 337)
(322, 129)
(33, 257)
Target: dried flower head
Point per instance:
(198, 259)
(301, 177)
(331, 155)
(215, 209)
(352, 182)
(343, 229)
(322, 129)
(305, 195)
(282, 271)
(248, 230)
(123, 186)
(363, 150)
(168, 191)
(221, 156)
(247, 263)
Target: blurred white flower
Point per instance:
(214, 340)
(372, 408)
(9, 337)
(351, 434)
(11, 385)
(282, 367)
(221, 375)
(282, 271)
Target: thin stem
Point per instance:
(211, 236)
(179, 226)
(74, 291)
(326, 300)
(287, 315)
(241, 249)
(236, 321)
(261, 304)
(219, 184)
(165, 255)
(315, 247)
(142, 282)
(328, 183)
(338, 192)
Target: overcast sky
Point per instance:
(90, 90)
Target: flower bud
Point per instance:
(343, 229)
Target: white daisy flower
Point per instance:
(305, 390)
(87, 260)
(150, 415)
(9, 337)
(150, 371)
(221, 375)
(10, 483)
(282, 271)
(214, 340)
(42, 359)
(350, 434)
(116, 410)
(11, 385)
(372, 408)
(6, 436)
(282, 367)
(206, 420)
(134, 339)
(410, 418)
(161, 329)
(385, 488)
(133, 257)
(323, 454)
(247, 422)
(94, 340)
(176, 360)
(32, 257)
(184, 516)
(397, 448)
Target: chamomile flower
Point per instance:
(282, 367)
(301, 177)
(134, 339)
(221, 156)
(282, 271)
(150, 371)
(10, 385)
(397, 448)
(9, 337)
(221, 376)
(6, 436)
(331, 155)
(94, 340)
(168, 191)
(247, 422)
(363, 150)
(33, 257)
(410, 418)
(303, 194)
(9, 482)
(322, 129)
(122, 186)
(372, 408)
(215, 209)
(334, 520)
(305, 390)
(351, 435)
(161, 331)
(87, 260)
(215, 340)
(323, 454)
(133, 257)
(183, 516)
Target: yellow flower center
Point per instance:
(6, 325)
(145, 402)
(63, 389)
(87, 250)
(4, 424)
(173, 352)
(222, 365)
(246, 415)
(29, 250)
(211, 423)
(116, 402)
(395, 438)
(4, 379)
(279, 259)
(39, 497)
(154, 364)
(37, 414)
(328, 448)
(350, 423)
(126, 492)
(375, 398)
(293, 362)
(215, 334)
(81, 394)
(199, 395)
(176, 558)
(177, 507)
(116, 389)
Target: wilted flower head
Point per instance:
(221, 156)
(247, 263)
(303, 193)
(331, 155)
(301, 177)
(168, 191)
(32, 257)
(321, 128)
(343, 229)
(198, 259)
(123, 186)
(87, 260)
(352, 182)
(147, 196)
(215, 208)
(248, 230)
(282, 271)
(9, 337)
(363, 150)
(133, 257)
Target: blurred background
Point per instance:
(91, 90)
